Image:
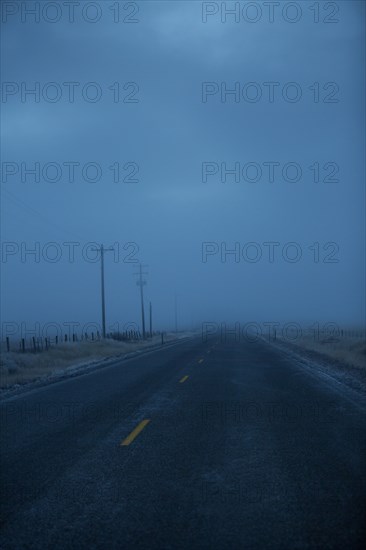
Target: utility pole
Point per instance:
(102, 250)
(150, 311)
(140, 282)
(176, 312)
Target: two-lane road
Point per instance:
(206, 445)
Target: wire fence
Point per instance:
(38, 344)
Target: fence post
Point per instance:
(34, 344)
(23, 345)
(7, 344)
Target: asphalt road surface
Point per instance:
(207, 445)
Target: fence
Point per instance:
(39, 344)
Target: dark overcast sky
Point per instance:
(169, 133)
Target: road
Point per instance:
(207, 445)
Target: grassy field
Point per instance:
(22, 368)
(349, 348)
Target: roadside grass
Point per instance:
(350, 350)
(17, 368)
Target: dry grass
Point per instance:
(22, 368)
(350, 350)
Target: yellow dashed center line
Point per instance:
(135, 432)
(183, 379)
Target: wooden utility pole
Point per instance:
(150, 312)
(176, 312)
(140, 282)
(102, 250)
